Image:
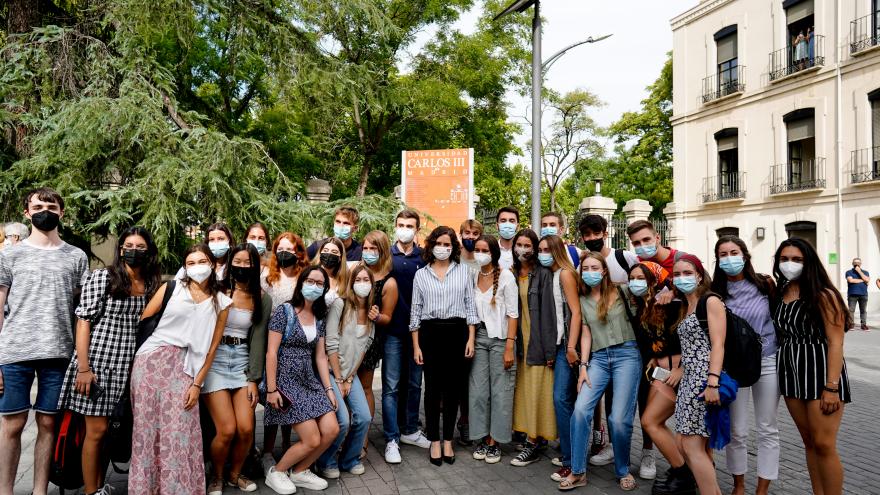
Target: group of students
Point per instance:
(517, 335)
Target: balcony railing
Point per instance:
(724, 83)
(866, 165)
(729, 185)
(797, 57)
(798, 175)
(863, 33)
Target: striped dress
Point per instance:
(802, 358)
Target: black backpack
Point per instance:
(742, 345)
(66, 467)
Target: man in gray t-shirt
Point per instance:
(38, 279)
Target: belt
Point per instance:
(232, 340)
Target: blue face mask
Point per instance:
(507, 230)
(312, 292)
(468, 244)
(638, 287)
(218, 249)
(370, 258)
(545, 259)
(732, 265)
(592, 278)
(647, 251)
(260, 245)
(545, 231)
(342, 232)
(686, 284)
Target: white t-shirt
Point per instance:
(189, 325)
(618, 274)
(558, 301)
(506, 260)
(506, 304)
(311, 331)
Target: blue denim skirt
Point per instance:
(229, 369)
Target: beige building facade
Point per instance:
(776, 129)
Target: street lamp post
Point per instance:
(538, 69)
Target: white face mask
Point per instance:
(442, 253)
(199, 273)
(483, 259)
(791, 269)
(362, 289)
(405, 235)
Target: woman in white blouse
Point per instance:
(493, 373)
(167, 375)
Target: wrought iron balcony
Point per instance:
(797, 57)
(729, 185)
(724, 83)
(798, 175)
(863, 34)
(866, 165)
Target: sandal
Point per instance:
(570, 484)
(627, 483)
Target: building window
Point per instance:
(802, 230)
(801, 136)
(723, 231)
(803, 49)
(866, 162)
(874, 99)
(727, 142)
(726, 56)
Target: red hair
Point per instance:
(302, 258)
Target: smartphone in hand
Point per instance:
(96, 392)
(660, 374)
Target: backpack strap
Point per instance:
(288, 313)
(621, 260)
(702, 311)
(625, 300)
(169, 290)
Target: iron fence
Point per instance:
(864, 33)
(865, 165)
(798, 175)
(798, 56)
(723, 83)
(729, 185)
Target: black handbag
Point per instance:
(121, 422)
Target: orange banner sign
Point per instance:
(439, 183)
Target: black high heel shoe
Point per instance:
(437, 461)
(449, 459)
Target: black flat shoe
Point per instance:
(449, 459)
(436, 461)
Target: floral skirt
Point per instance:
(166, 451)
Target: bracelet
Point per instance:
(350, 379)
(713, 386)
(584, 364)
(832, 390)
(570, 349)
(328, 389)
(271, 391)
(339, 380)
(84, 371)
(716, 375)
(196, 385)
(512, 338)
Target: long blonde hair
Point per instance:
(607, 290)
(352, 302)
(341, 275)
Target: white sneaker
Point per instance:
(279, 482)
(357, 469)
(604, 457)
(107, 490)
(267, 461)
(330, 473)
(556, 461)
(392, 453)
(308, 480)
(648, 469)
(418, 439)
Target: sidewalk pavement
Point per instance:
(858, 443)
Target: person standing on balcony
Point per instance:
(857, 292)
(800, 51)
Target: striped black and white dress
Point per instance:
(802, 360)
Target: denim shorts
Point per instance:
(229, 369)
(18, 379)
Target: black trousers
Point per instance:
(442, 343)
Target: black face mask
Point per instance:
(330, 260)
(240, 274)
(595, 245)
(135, 258)
(45, 220)
(285, 259)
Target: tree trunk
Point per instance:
(365, 175)
(22, 16)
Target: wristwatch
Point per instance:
(339, 380)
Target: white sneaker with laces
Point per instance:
(267, 461)
(357, 469)
(308, 480)
(106, 490)
(604, 457)
(280, 482)
(418, 439)
(648, 469)
(330, 473)
(392, 453)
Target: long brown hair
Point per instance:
(495, 253)
(302, 257)
(383, 246)
(606, 288)
(352, 303)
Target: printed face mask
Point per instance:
(523, 253)
(442, 253)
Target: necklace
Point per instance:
(486, 274)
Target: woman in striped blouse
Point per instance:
(442, 321)
(811, 319)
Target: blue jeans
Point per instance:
(621, 365)
(352, 432)
(396, 350)
(564, 395)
